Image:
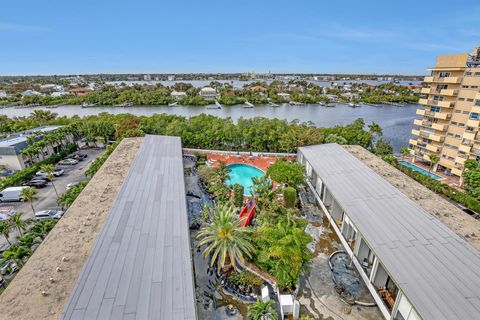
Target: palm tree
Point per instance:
(261, 310)
(17, 222)
(222, 172)
(30, 194)
(50, 169)
(433, 160)
(225, 239)
(404, 151)
(5, 228)
(17, 254)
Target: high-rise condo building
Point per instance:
(449, 127)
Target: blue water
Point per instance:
(242, 174)
(421, 170)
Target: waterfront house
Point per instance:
(81, 91)
(178, 95)
(412, 264)
(30, 93)
(209, 93)
(3, 94)
(284, 96)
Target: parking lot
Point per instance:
(47, 199)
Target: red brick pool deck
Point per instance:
(261, 162)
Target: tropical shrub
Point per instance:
(66, 199)
(290, 197)
(238, 190)
(261, 310)
(244, 278)
(282, 250)
(288, 172)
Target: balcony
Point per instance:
(473, 123)
(420, 112)
(418, 122)
(439, 127)
(444, 104)
(440, 115)
(423, 101)
(425, 90)
(457, 172)
(415, 132)
(428, 79)
(447, 79)
(449, 92)
(469, 136)
(432, 148)
(412, 142)
(465, 148)
(460, 160)
(436, 137)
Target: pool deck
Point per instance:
(452, 181)
(261, 162)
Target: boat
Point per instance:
(321, 103)
(248, 105)
(213, 106)
(330, 105)
(123, 105)
(88, 105)
(295, 103)
(274, 105)
(174, 104)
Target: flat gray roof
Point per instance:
(141, 266)
(14, 143)
(437, 270)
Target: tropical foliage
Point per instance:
(225, 240)
(288, 172)
(261, 310)
(66, 199)
(29, 194)
(290, 197)
(471, 178)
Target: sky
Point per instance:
(178, 36)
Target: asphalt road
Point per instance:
(47, 199)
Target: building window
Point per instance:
(474, 116)
(444, 74)
(458, 111)
(435, 109)
(461, 99)
(465, 112)
(477, 103)
(470, 100)
(468, 73)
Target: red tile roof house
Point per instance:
(79, 91)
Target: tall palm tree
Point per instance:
(225, 239)
(17, 222)
(29, 194)
(5, 228)
(261, 310)
(50, 169)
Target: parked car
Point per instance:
(68, 161)
(57, 173)
(37, 183)
(48, 214)
(11, 194)
(71, 185)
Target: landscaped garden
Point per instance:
(271, 250)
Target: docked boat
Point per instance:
(353, 105)
(88, 105)
(248, 105)
(274, 105)
(331, 105)
(174, 104)
(295, 103)
(124, 105)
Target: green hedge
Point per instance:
(97, 163)
(290, 197)
(461, 197)
(27, 173)
(238, 190)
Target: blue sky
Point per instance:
(318, 36)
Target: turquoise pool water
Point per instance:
(421, 170)
(242, 174)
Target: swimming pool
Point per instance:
(421, 170)
(242, 174)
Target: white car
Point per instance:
(68, 161)
(71, 185)
(57, 173)
(48, 214)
